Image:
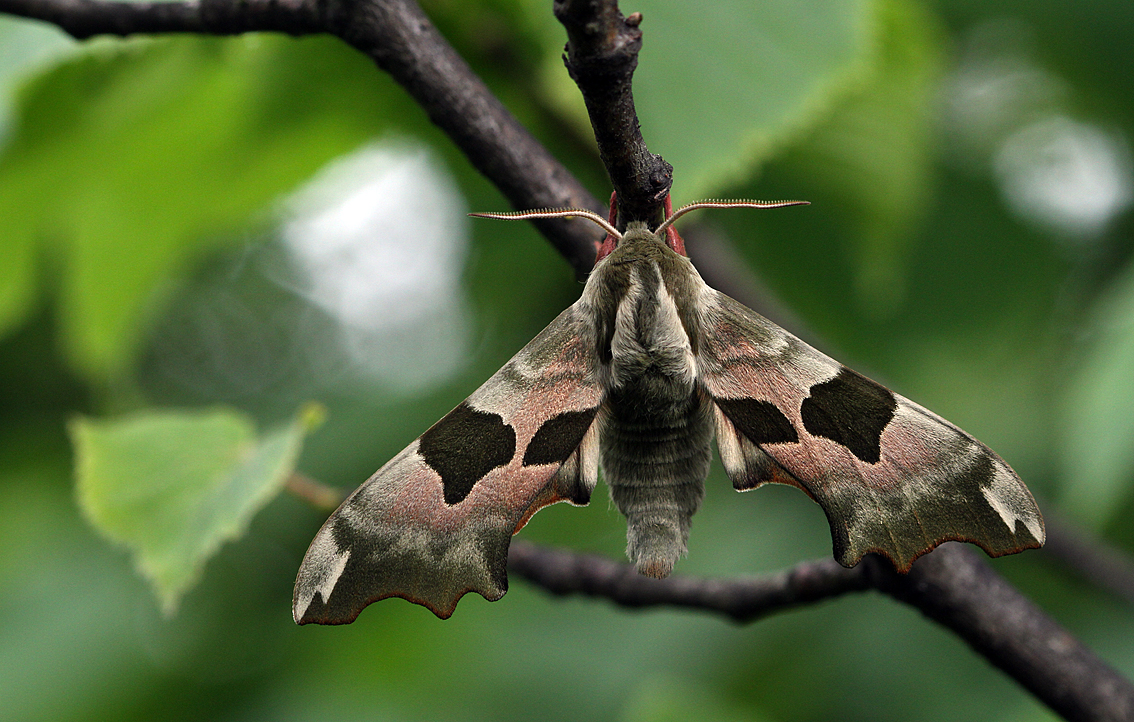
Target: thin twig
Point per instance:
(316, 493)
(398, 36)
(951, 585)
(85, 18)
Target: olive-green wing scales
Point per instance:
(435, 522)
(891, 476)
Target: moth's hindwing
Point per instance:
(891, 476)
(435, 522)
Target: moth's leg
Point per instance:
(672, 238)
(609, 242)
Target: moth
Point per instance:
(637, 377)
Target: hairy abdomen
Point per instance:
(657, 424)
(655, 453)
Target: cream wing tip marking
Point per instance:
(1011, 500)
(318, 575)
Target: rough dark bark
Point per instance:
(950, 585)
(86, 18)
(955, 588)
(743, 600)
(401, 40)
(602, 53)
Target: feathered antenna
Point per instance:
(714, 203)
(592, 216)
(553, 213)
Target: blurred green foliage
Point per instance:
(969, 243)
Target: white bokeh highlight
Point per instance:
(379, 239)
(1004, 111)
(1067, 175)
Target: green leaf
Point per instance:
(874, 150)
(1098, 424)
(17, 282)
(720, 89)
(24, 46)
(868, 167)
(134, 159)
(172, 486)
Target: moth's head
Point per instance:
(664, 233)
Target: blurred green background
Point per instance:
(198, 236)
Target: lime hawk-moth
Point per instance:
(637, 377)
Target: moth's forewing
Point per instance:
(892, 477)
(435, 522)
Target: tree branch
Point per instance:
(316, 493)
(602, 54)
(955, 588)
(743, 600)
(85, 18)
(1090, 557)
(950, 585)
(398, 36)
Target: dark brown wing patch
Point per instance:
(851, 410)
(464, 446)
(558, 437)
(760, 421)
